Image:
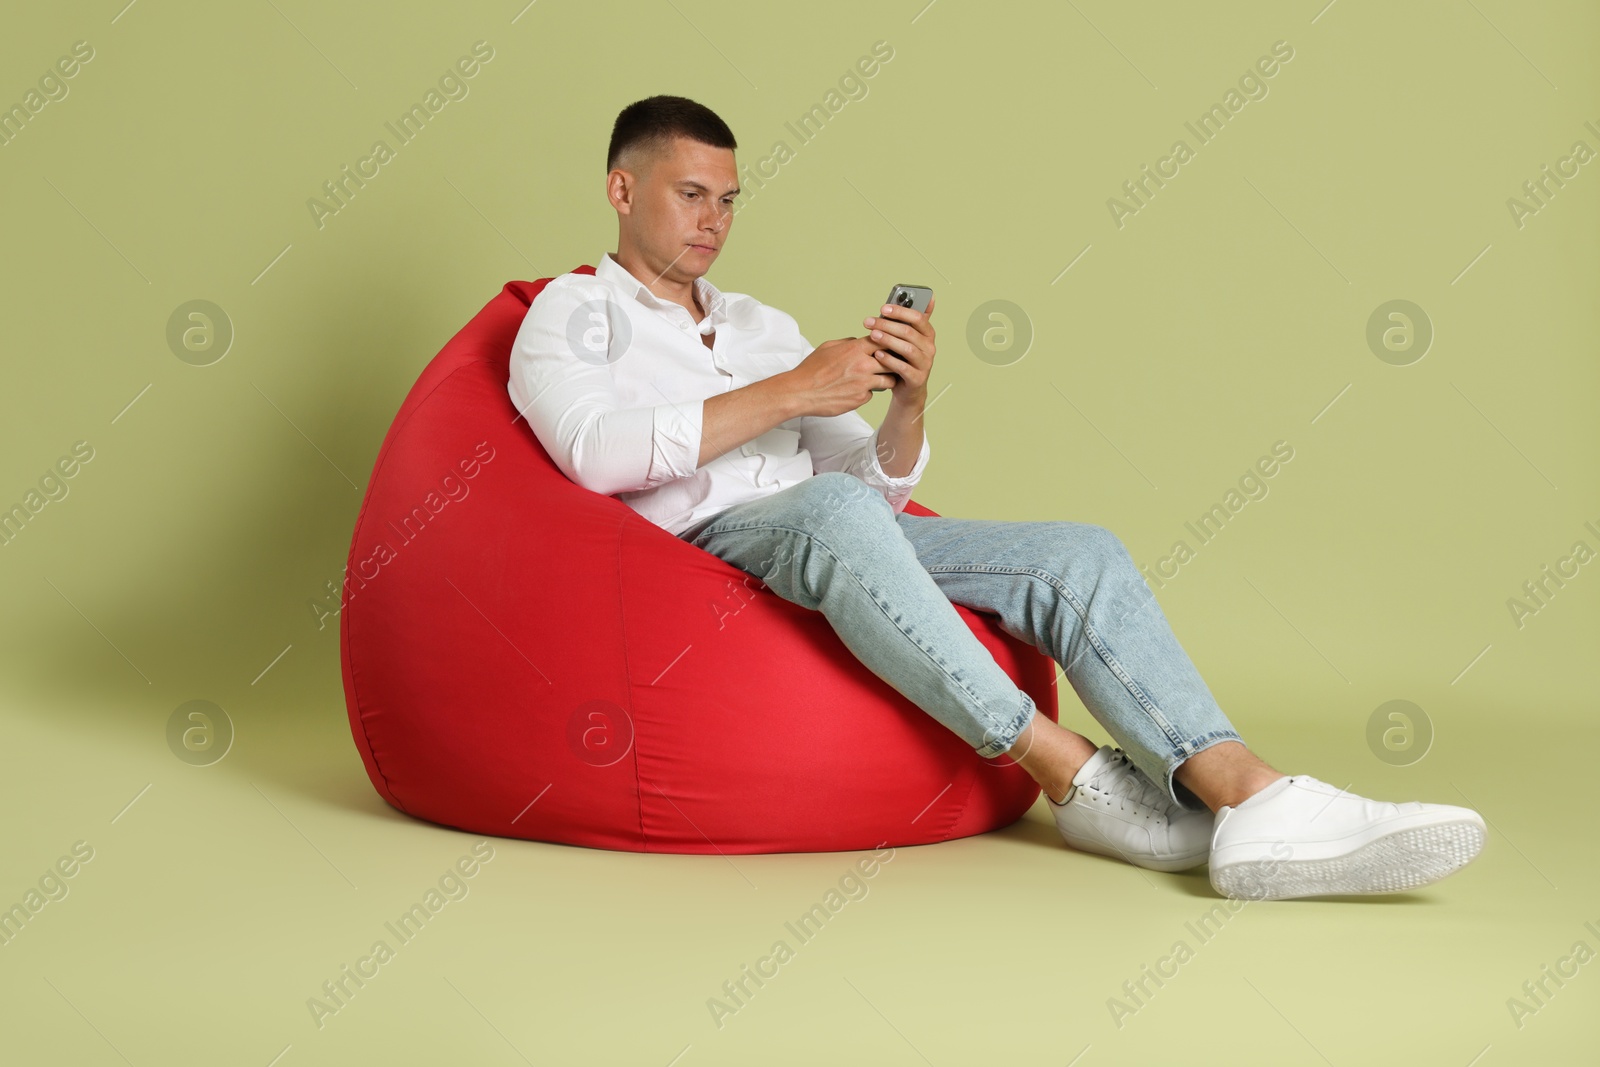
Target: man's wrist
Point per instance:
(784, 396)
(913, 402)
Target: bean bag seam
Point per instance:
(966, 798)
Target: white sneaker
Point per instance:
(1300, 837)
(1113, 809)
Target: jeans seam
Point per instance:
(760, 525)
(1195, 745)
(1112, 663)
(1030, 708)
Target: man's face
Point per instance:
(678, 209)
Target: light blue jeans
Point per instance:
(888, 584)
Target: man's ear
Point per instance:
(620, 186)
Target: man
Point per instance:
(712, 416)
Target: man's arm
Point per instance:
(900, 438)
(890, 459)
(848, 443)
(571, 405)
(731, 419)
(570, 401)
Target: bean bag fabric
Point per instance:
(527, 658)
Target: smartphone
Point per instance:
(915, 297)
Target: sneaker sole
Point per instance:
(1165, 864)
(1404, 859)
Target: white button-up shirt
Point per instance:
(613, 381)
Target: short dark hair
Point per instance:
(653, 122)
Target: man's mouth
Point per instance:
(704, 248)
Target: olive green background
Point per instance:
(1229, 313)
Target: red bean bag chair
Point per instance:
(527, 658)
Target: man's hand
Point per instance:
(906, 340)
(838, 376)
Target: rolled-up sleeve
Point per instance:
(571, 404)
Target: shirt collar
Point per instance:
(711, 297)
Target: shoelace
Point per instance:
(1118, 776)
